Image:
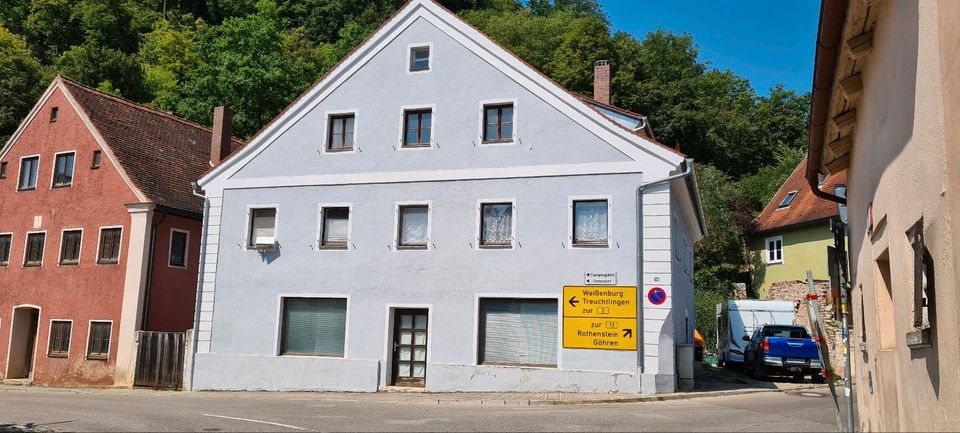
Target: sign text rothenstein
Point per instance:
(600, 317)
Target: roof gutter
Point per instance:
(829, 46)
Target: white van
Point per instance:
(738, 318)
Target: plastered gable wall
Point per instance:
(455, 86)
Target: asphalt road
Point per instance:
(107, 410)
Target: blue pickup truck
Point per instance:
(782, 350)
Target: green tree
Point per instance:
(96, 66)
(572, 63)
(245, 63)
(13, 15)
(52, 27)
(167, 53)
(21, 81)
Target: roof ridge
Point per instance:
(137, 105)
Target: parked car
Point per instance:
(742, 317)
(784, 350)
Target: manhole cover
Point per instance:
(811, 394)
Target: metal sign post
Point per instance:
(816, 328)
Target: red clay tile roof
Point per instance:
(162, 153)
(805, 207)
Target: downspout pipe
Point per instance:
(203, 258)
(829, 45)
(688, 171)
(145, 314)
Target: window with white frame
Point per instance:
(496, 225)
(63, 170)
(335, 227)
(340, 132)
(98, 342)
(313, 326)
(774, 250)
(70, 247)
(590, 222)
(263, 227)
(498, 123)
(179, 240)
(34, 253)
(109, 250)
(420, 58)
(6, 240)
(413, 226)
(59, 345)
(518, 332)
(418, 127)
(28, 173)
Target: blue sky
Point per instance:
(765, 41)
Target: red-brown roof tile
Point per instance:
(805, 207)
(161, 153)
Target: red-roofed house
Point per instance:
(793, 232)
(99, 234)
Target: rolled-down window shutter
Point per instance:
(518, 332)
(314, 326)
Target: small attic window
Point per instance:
(787, 200)
(54, 113)
(95, 164)
(420, 58)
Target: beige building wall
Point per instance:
(904, 162)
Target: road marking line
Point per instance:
(256, 421)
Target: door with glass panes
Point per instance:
(410, 348)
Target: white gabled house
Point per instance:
(413, 218)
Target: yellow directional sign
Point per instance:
(600, 317)
(600, 301)
(595, 333)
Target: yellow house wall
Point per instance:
(804, 248)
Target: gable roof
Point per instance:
(575, 107)
(158, 154)
(805, 207)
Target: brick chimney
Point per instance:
(601, 81)
(222, 134)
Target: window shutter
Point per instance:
(314, 326)
(518, 331)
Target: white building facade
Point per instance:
(414, 217)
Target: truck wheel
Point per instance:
(760, 372)
(798, 377)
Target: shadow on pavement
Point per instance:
(710, 378)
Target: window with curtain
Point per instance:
(518, 332)
(263, 227)
(498, 123)
(99, 340)
(70, 247)
(413, 226)
(63, 170)
(109, 246)
(28, 173)
(34, 256)
(418, 127)
(178, 249)
(59, 338)
(5, 242)
(590, 223)
(496, 225)
(336, 222)
(313, 326)
(340, 133)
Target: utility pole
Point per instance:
(839, 240)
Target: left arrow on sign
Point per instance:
(573, 301)
(627, 333)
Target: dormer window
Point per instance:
(787, 200)
(420, 58)
(54, 113)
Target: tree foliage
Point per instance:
(21, 81)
